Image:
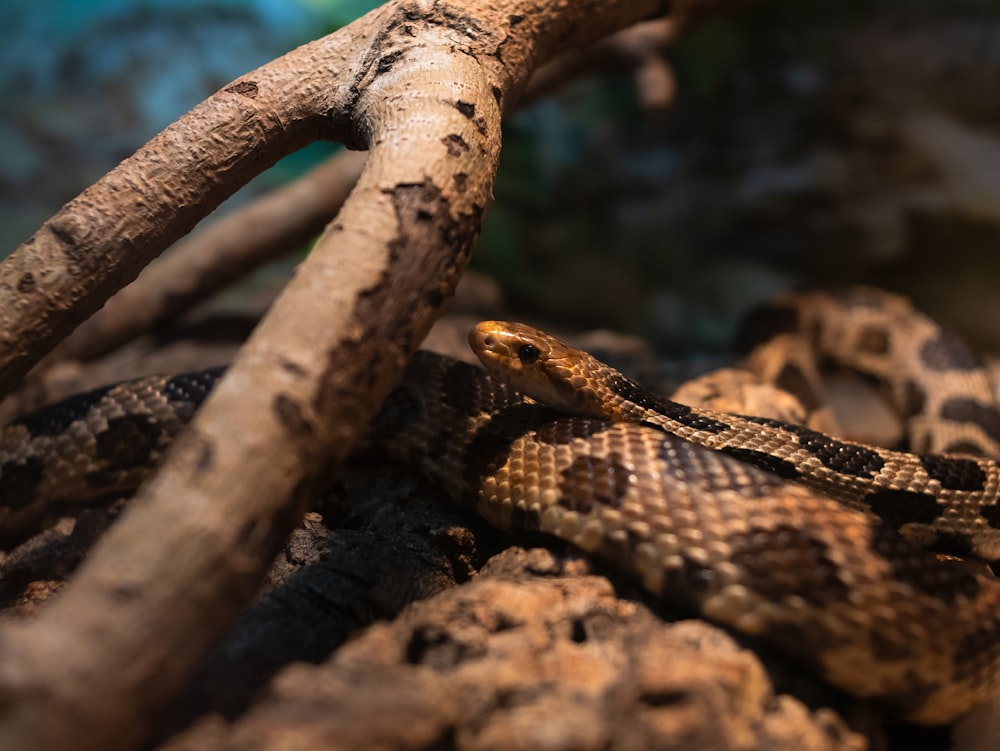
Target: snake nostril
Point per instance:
(488, 340)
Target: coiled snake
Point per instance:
(827, 568)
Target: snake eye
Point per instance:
(528, 353)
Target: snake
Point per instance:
(823, 547)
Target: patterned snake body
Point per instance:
(838, 589)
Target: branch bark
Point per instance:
(422, 84)
(217, 256)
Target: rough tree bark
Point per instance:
(270, 227)
(422, 85)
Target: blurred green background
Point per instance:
(808, 143)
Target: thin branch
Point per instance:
(219, 255)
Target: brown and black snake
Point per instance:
(697, 505)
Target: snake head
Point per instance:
(540, 366)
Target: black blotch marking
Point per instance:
(19, 481)
(764, 323)
(691, 582)
(129, 442)
(248, 89)
(192, 388)
(990, 512)
(487, 451)
(461, 182)
(914, 398)
(523, 519)
(293, 368)
(966, 447)
(898, 507)
(845, 458)
(206, 456)
(400, 409)
(468, 109)
(54, 419)
(976, 651)
(948, 352)
(953, 543)
(888, 646)
(963, 409)
(762, 460)
(716, 471)
(954, 473)
(784, 561)
(558, 432)
(920, 568)
(794, 381)
(589, 479)
(675, 411)
(467, 391)
(873, 340)
(455, 144)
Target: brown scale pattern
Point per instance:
(832, 586)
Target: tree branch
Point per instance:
(423, 85)
(214, 258)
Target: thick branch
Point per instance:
(428, 83)
(426, 91)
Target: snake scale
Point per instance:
(697, 505)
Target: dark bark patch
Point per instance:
(249, 89)
(387, 61)
(292, 368)
(455, 144)
(206, 457)
(468, 109)
(290, 415)
(461, 182)
(26, 283)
